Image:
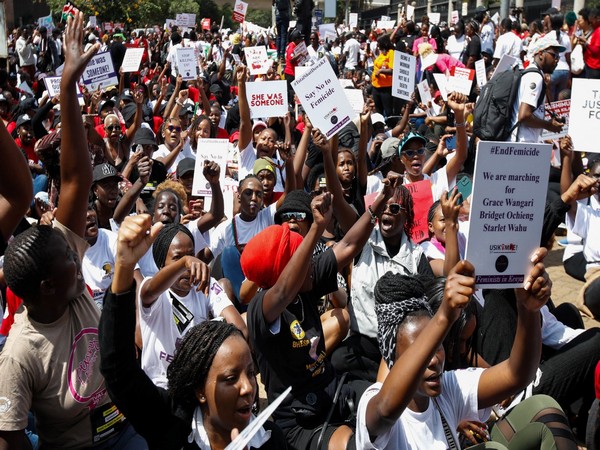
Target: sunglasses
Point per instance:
(554, 55)
(297, 216)
(411, 153)
(113, 127)
(318, 192)
(394, 208)
(174, 128)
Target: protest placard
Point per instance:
(455, 17)
(257, 60)
(239, 11)
(108, 27)
(185, 20)
(356, 99)
(435, 18)
(206, 24)
(480, 72)
(403, 77)
(267, 98)
(422, 200)
(100, 72)
(170, 23)
(323, 98)
(353, 20)
(386, 24)
(209, 150)
(187, 64)
(507, 211)
(424, 92)
(561, 110)
(442, 83)
(132, 59)
(410, 12)
(461, 81)
(301, 52)
(585, 114)
(53, 88)
(47, 22)
(327, 31)
(506, 62)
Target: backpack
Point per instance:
(493, 115)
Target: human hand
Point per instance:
(450, 206)
(76, 60)
(135, 237)
(241, 74)
(365, 118)
(144, 167)
(138, 97)
(457, 101)
(474, 431)
(537, 287)
(583, 187)
(555, 126)
(391, 182)
(322, 209)
(321, 141)
(199, 273)
(47, 216)
(211, 172)
(460, 286)
(441, 150)
(178, 82)
(566, 146)
(183, 95)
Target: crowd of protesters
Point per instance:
(139, 315)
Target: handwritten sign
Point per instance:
(100, 72)
(323, 98)
(267, 98)
(422, 201)
(185, 20)
(560, 109)
(209, 150)
(132, 59)
(585, 114)
(257, 60)
(301, 52)
(507, 211)
(403, 78)
(187, 64)
(239, 11)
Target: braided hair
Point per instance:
(402, 195)
(431, 214)
(397, 297)
(193, 359)
(27, 261)
(161, 245)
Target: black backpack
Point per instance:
(493, 115)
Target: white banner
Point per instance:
(187, 64)
(403, 78)
(507, 211)
(132, 59)
(267, 98)
(585, 114)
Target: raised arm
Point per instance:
(138, 98)
(451, 210)
(457, 102)
(76, 169)
(212, 218)
(241, 74)
(127, 203)
(362, 170)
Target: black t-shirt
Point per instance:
(473, 49)
(405, 43)
(295, 355)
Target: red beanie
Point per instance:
(267, 254)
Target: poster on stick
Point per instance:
(323, 98)
(403, 77)
(507, 211)
(585, 114)
(267, 98)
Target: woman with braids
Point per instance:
(211, 379)
(418, 405)
(171, 293)
(389, 248)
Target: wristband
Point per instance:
(460, 125)
(373, 216)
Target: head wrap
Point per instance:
(267, 254)
(164, 239)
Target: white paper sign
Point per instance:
(170, 23)
(442, 83)
(187, 64)
(507, 62)
(585, 114)
(403, 77)
(561, 109)
(53, 88)
(323, 98)
(301, 52)
(239, 11)
(100, 72)
(461, 81)
(435, 18)
(496, 18)
(327, 31)
(257, 60)
(424, 92)
(132, 59)
(212, 150)
(480, 72)
(507, 211)
(356, 99)
(353, 20)
(410, 12)
(267, 98)
(454, 18)
(92, 21)
(185, 20)
(386, 24)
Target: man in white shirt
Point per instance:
(351, 52)
(172, 55)
(508, 43)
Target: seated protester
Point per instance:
(418, 405)
(117, 142)
(175, 146)
(105, 107)
(283, 319)
(212, 378)
(389, 248)
(179, 290)
(265, 170)
(437, 62)
(412, 153)
(50, 361)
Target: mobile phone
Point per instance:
(451, 143)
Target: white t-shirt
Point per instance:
(587, 226)
(247, 159)
(456, 46)
(172, 58)
(352, 49)
(510, 44)
(530, 90)
(487, 37)
(186, 152)
(98, 264)
(439, 182)
(223, 236)
(160, 332)
(418, 431)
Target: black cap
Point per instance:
(187, 108)
(296, 34)
(295, 201)
(144, 136)
(23, 120)
(104, 103)
(481, 9)
(186, 165)
(126, 96)
(128, 112)
(104, 171)
(28, 103)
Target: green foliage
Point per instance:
(259, 17)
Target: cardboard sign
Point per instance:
(435, 18)
(323, 98)
(480, 72)
(267, 98)
(301, 52)
(185, 20)
(257, 60)
(187, 64)
(584, 117)
(132, 59)
(403, 77)
(239, 11)
(560, 109)
(212, 150)
(507, 211)
(422, 201)
(206, 24)
(356, 99)
(53, 88)
(100, 72)
(461, 81)
(353, 20)
(507, 62)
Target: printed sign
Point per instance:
(187, 64)
(507, 62)
(206, 24)
(353, 20)
(209, 150)
(461, 81)
(424, 92)
(327, 31)
(386, 24)
(53, 88)
(585, 114)
(132, 59)
(323, 98)
(480, 72)
(560, 110)
(403, 78)
(442, 83)
(100, 72)
(170, 23)
(455, 17)
(507, 211)
(422, 201)
(435, 18)
(301, 52)
(257, 60)
(47, 22)
(267, 98)
(239, 11)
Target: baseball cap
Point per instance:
(104, 171)
(409, 137)
(186, 165)
(105, 103)
(545, 42)
(389, 147)
(23, 120)
(264, 163)
(377, 118)
(144, 136)
(258, 123)
(550, 11)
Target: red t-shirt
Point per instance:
(222, 134)
(28, 149)
(290, 66)
(591, 54)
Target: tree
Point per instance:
(259, 17)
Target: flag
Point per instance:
(69, 9)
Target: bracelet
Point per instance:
(373, 216)
(460, 125)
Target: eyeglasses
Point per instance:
(554, 55)
(394, 208)
(318, 192)
(113, 127)
(411, 153)
(297, 216)
(174, 128)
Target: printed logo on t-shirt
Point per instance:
(85, 383)
(5, 405)
(108, 270)
(296, 330)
